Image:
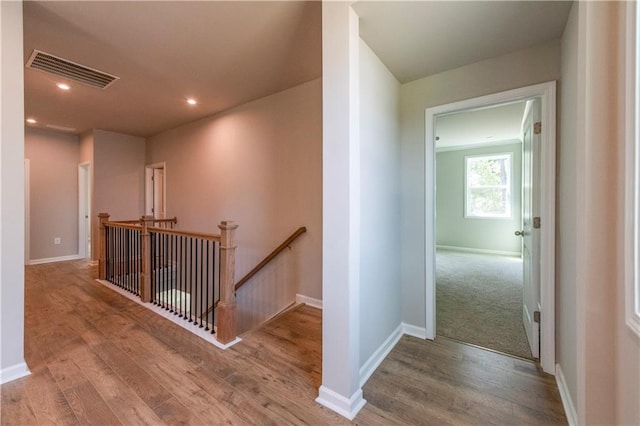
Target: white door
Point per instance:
(158, 193)
(84, 210)
(530, 232)
(155, 190)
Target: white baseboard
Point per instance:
(14, 372)
(567, 402)
(346, 407)
(194, 329)
(479, 251)
(379, 355)
(54, 259)
(412, 330)
(313, 302)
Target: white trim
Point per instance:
(148, 201)
(479, 251)
(632, 178)
(470, 146)
(509, 186)
(54, 259)
(348, 408)
(379, 355)
(414, 330)
(14, 372)
(194, 329)
(567, 402)
(84, 198)
(27, 210)
(311, 301)
(547, 93)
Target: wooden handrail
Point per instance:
(270, 257)
(126, 225)
(264, 262)
(203, 235)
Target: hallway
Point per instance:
(97, 357)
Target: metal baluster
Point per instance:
(201, 282)
(191, 274)
(206, 316)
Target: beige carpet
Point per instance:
(479, 301)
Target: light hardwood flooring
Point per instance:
(99, 358)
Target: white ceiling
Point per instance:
(225, 53)
(482, 126)
(221, 53)
(419, 38)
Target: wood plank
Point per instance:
(47, 400)
(15, 407)
(99, 358)
(122, 400)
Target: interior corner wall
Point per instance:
(53, 190)
(12, 363)
(566, 206)
(453, 229)
(380, 297)
(118, 175)
(526, 67)
(260, 165)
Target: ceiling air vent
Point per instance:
(59, 66)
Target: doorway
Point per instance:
(546, 184)
(84, 210)
(479, 267)
(155, 190)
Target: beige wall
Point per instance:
(260, 165)
(53, 191)
(12, 364)
(566, 206)
(598, 354)
(380, 308)
(118, 176)
(523, 68)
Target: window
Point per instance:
(632, 174)
(488, 186)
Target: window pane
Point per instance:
(488, 186)
(488, 202)
(488, 171)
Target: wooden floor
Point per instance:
(99, 358)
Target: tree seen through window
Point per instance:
(488, 186)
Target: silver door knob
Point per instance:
(519, 233)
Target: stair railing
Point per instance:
(174, 269)
(286, 243)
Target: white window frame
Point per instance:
(632, 173)
(509, 185)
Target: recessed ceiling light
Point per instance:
(63, 86)
(31, 121)
(191, 101)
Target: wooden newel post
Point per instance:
(102, 241)
(145, 276)
(226, 310)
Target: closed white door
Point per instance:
(530, 232)
(158, 193)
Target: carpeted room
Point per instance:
(479, 269)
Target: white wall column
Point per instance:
(340, 390)
(12, 364)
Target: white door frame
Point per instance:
(148, 193)
(27, 211)
(84, 199)
(547, 94)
